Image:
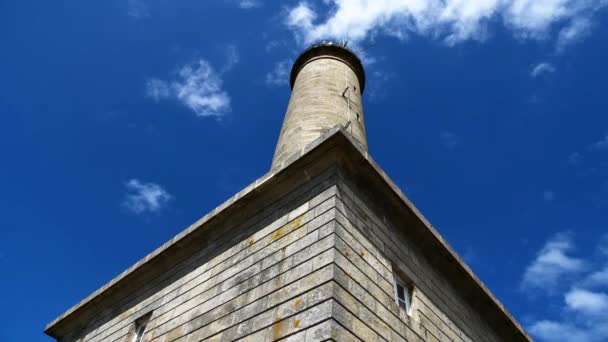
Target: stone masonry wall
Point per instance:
(375, 248)
(316, 105)
(314, 266)
(273, 279)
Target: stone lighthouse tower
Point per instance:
(324, 247)
(327, 82)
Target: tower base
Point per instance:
(310, 252)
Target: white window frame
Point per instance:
(140, 327)
(139, 332)
(407, 294)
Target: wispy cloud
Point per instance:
(598, 278)
(582, 316)
(575, 158)
(469, 255)
(232, 58)
(452, 21)
(247, 4)
(577, 30)
(279, 76)
(600, 145)
(137, 9)
(142, 197)
(450, 140)
(377, 88)
(552, 264)
(198, 86)
(157, 89)
(542, 69)
(273, 45)
(548, 196)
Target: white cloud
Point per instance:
(587, 302)
(197, 86)
(533, 17)
(137, 9)
(453, 21)
(279, 76)
(584, 319)
(143, 197)
(157, 89)
(541, 69)
(552, 263)
(552, 331)
(301, 16)
(200, 89)
(248, 4)
(583, 314)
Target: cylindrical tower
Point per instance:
(327, 81)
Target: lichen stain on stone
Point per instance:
(296, 323)
(278, 233)
(291, 226)
(277, 330)
(251, 242)
(297, 303)
(345, 251)
(362, 253)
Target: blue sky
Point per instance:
(125, 121)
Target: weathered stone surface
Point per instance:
(307, 252)
(326, 92)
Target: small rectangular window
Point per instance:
(140, 327)
(139, 332)
(403, 294)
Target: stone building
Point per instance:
(322, 247)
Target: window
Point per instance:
(139, 332)
(403, 294)
(140, 327)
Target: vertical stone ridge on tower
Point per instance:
(327, 82)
